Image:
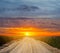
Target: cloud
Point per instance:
(45, 7)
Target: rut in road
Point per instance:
(29, 45)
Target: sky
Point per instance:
(33, 8)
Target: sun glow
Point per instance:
(27, 33)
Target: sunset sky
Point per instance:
(27, 32)
(22, 9)
(32, 27)
(37, 8)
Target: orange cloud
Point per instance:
(34, 31)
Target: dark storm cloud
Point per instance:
(30, 8)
